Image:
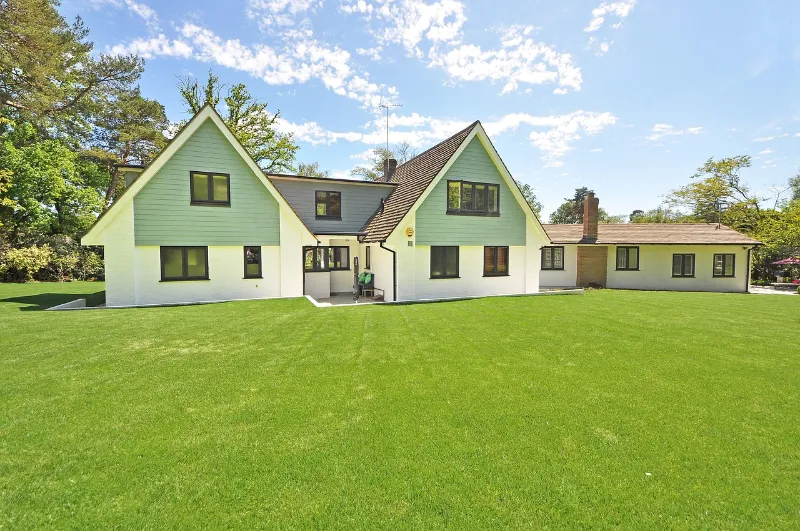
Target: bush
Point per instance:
(25, 262)
(798, 290)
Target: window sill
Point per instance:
(340, 269)
(497, 275)
(328, 218)
(479, 214)
(185, 279)
(553, 269)
(626, 269)
(209, 203)
(444, 278)
(683, 276)
(252, 278)
(723, 276)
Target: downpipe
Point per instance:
(394, 270)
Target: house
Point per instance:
(646, 256)
(202, 222)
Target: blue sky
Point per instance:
(626, 97)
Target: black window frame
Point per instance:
(260, 261)
(442, 249)
(367, 259)
(325, 263)
(460, 211)
(627, 249)
(552, 258)
(184, 263)
(714, 265)
(210, 183)
(327, 204)
(495, 273)
(683, 265)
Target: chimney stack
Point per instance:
(389, 166)
(591, 206)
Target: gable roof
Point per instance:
(412, 178)
(652, 233)
(207, 112)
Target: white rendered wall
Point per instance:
(118, 250)
(318, 284)
(293, 237)
(655, 269)
(226, 277)
(561, 279)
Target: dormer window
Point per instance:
(328, 205)
(473, 199)
(210, 188)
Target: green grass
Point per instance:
(630, 409)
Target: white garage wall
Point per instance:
(655, 269)
(562, 279)
(225, 269)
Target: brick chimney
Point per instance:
(389, 166)
(590, 207)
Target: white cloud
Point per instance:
(519, 60)
(157, 46)
(278, 12)
(409, 22)
(770, 138)
(596, 150)
(766, 151)
(618, 9)
(147, 13)
(373, 53)
(301, 60)
(552, 135)
(659, 131)
(554, 164)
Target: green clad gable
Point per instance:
(436, 227)
(163, 215)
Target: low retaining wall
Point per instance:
(72, 305)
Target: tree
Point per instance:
(794, 184)
(402, 153)
(127, 132)
(247, 118)
(656, 215)
(530, 197)
(48, 74)
(571, 211)
(715, 186)
(311, 169)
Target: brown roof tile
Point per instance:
(412, 179)
(652, 233)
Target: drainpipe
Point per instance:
(394, 270)
(747, 277)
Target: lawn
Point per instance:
(629, 409)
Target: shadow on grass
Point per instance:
(42, 301)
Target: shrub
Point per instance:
(798, 290)
(24, 262)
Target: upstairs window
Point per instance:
(329, 205)
(184, 263)
(627, 259)
(444, 262)
(495, 261)
(724, 265)
(553, 258)
(682, 265)
(477, 199)
(252, 262)
(210, 188)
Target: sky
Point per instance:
(625, 97)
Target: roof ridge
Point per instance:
(469, 127)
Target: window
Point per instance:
(210, 188)
(553, 258)
(184, 263)
(329, 205)
(682, 265)
(325, 258)
(444, 262)
(724, 265)
(252, 262)
(477, 199)
(495, 261)
(367, 258)
(627, 258)
(338, 258)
